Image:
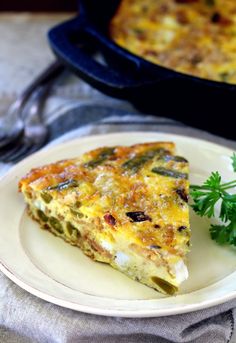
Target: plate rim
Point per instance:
(150, 313)
(182, 308)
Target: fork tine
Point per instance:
(12, 122)
(7, 152)
(11, 148)
(20, 153)
(35, 133)
(7, 142)
(13, 153)
(27, 153)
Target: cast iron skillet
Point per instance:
(151, 88)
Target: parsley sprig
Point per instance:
(205, 198)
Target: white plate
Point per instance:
(53, 270)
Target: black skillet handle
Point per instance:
(70, 42)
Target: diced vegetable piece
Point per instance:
(175, 158)
(54, 222)
(69, 228)
(64, 185)
(76, 213)
(46, 197)
(135, 163)
(72, 231)
(102, 157)
(75, 235)
(164, 285)
(170, 173)
(42, 216)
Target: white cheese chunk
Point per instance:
(121, 258)
(106, 245)
(181, 271)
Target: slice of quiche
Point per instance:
(126, 206)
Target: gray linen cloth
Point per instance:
(27, 319)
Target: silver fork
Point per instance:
(34, 131)
(11, 123)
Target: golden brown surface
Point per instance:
(126, 206)
(196, 37)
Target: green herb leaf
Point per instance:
(224, 234)
(213, 181)
(204, 202)
(233, 158)
(219, 233)
(228, 207)
(205, 198)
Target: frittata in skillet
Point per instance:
(126, 206)
(196, 37)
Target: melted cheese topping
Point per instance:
(196, 37)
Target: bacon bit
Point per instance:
(46, 227)
(156, 226)
(109, 219)
(182, 228)
(138, 216)
(225, 21)
(154, 246)
(217, 18)
(182, 194)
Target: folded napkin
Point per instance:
(27, 319)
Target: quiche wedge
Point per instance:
(123, 205)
